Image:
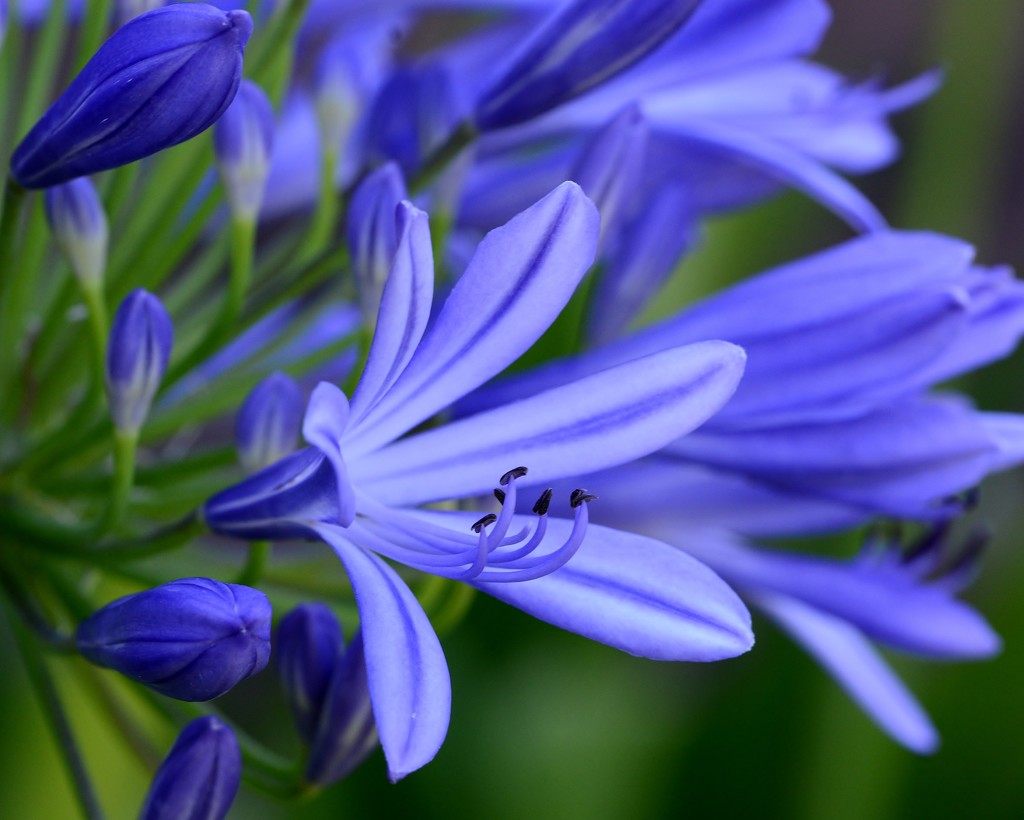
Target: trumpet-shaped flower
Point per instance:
(359, 484)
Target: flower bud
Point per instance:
(191, 639)
(268, 425)
(137, 356)
(242, 139)
(309, 648)
(346, 732)
(199, 777)
(159, 80)
(79, 226)
(373, 234)
(581, 45)
(339, 90)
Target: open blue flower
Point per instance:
(359, 485)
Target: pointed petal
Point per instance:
(857, 667)
(635, 594)
(521, 277)
(322, 427)
(605, 419)
(408, 677)
(781, 162)
(404, 310)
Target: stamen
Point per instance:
(541, 507)
(488, 519)
(500, 495)
(515, 472)
(963, 569)
(529, 569)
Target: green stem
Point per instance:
(125, 445)
(15, 291)
(463, 135)
(49, 699)
(252, 572)
(99, 328)
(93, 30)
(325, 218)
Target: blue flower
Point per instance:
(200, 776)
(79, 226)
(192, 639)
(159, 80)
(832, 423)
(243, 139)
(357, 487)
(903, 599)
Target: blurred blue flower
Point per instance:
(243, 139)
(79, 225)
(901, 598)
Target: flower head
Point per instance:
(358, 485)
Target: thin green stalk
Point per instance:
(49, 699)
(125, 445)
(252, 572)
(46, 62)
(15, 292)
(99, 329)
(93, 30)
(325, 219)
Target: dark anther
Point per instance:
(580, 497)
(541, 507)
(500, 495)
(515, 472)
(932, 540)
(487, 520)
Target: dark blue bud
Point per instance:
(79, 226)
(191, 639)
(308, 649)
(372, 234)
(199, 777)
(137, 355)
(269, 422)
(243, 139)
(346, 732)
(578, 47)
(159, 80)
(412, 115)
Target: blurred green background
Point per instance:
(548, 725)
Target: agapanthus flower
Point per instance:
(358, 485)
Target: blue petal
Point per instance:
(658, 603)
(408, 677)
(404, 310)
(856, 666)
(609, 418)
(323, 427)
(521, 277)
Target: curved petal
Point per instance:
(857, 667)
(404, 310)
(605, 419)
(520, 278)
(323, 426)
(629, 592)
(405, 667)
